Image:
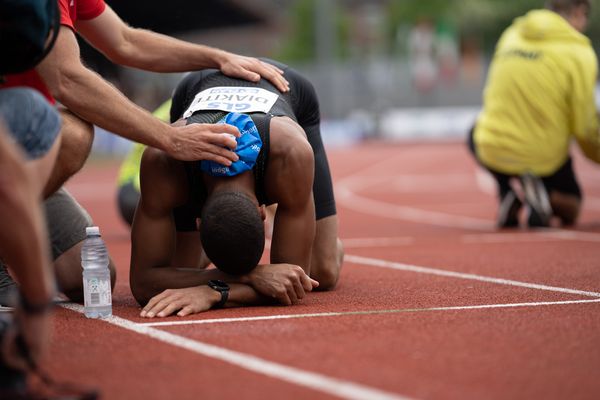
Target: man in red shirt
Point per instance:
(85, 94)
(88, 100)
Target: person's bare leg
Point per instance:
(77, 138)
(327, 254)
(566, 207)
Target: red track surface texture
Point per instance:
(433, 303)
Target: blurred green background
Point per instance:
(481, 21)
(392, 69)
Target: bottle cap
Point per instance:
(92, 230)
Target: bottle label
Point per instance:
(97, 292)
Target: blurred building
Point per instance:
(360, 66)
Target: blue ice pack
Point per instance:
(248, 147)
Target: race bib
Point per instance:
(232, 99)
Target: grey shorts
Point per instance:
(31, 121)
(66, 221)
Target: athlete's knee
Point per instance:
(77, 139)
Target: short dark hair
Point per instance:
(566, 6)
(232, 232)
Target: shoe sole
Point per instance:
(537, 198)
(507, 211)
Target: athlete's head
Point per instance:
(232, 232)
(576, 12)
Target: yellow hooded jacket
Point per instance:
(539, 93)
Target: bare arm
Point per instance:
(23, 240)
(152, 51)
(154, 246)
(153, 233)
(198, 299)
(92, 98)
(23, 245)
(291, 160)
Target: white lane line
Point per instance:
(351, 243)
(572, 235)
(347, 198)
(311, 380)
(545, 235)
(440, 272)
(348, 187)
(371, 312)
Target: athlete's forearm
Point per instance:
(95, 100)
(293, 235)
(241, 295)
(152, 51)
(23, 238)
(148, 282)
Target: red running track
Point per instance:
(433, 303)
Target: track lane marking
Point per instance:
(370, 312)
(543, 236)
(347, 198)
(346, 189)
(333, 386)
(374, 262)
(352, 243)
(538, 235)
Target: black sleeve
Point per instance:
(184, 93)
(306, 109)
(179, 95)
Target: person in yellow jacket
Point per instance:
(539, 95)
(128, 181)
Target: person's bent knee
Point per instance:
(78, 136)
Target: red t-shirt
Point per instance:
(70, 11)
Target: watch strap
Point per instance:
(224, 297)
(222, 288)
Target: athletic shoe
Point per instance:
(9, 292)
(508, 211)
(536, 197)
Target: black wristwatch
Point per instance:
(222, 288)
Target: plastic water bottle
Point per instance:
(96, 275)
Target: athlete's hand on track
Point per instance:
(186, 301)
(285, 282)
(252, 69)
(204, 142)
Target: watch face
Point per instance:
(218, 285)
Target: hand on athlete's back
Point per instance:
(204, 142)
(286, 283)
(252, 69)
